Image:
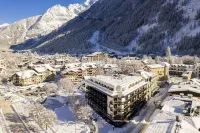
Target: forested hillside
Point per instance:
(142, 26)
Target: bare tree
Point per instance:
(84, 113)
(126, 66)
(99, 71)
(190, 60)
(43, 117)
(50, 88)
(157, 59)
(66, 84)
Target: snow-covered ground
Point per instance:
(66, 121)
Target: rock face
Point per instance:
(37, 26)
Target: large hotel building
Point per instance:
(117, 98)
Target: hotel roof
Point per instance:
(155, 66)
(121, 85)
(162, 64)
(191, 86)
(121, 80)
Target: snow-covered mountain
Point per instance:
(90, 2)
(3, 25)
(40, 25)
(142, 26)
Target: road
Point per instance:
(3, 126)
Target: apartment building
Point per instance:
(162, 69)
(77, 71)
(97, 56)
(116, 98)
(25, 78)
(47, 72)
(38, 74)
(197, 70)
(151, 79)
(179, 69)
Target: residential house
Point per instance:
(25, 78)
(97, 56)
(77, 71)
(47, 72)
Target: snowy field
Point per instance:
(66, 122)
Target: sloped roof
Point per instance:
(26, 74)
(146, 74)
(43, 68)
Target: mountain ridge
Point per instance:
(36, 26)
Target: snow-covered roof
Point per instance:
(162, 123)
(186, 127)
(59, 60)
(165, 122)
(94, 54)
(43, 68)
(191, 86)
(145, 61)
(75, 67)
(161, 65)
(196, 121)
(165, 64)
(146, 74)
(121, 80)
(155, 66)
(26, 74)
(107, 66)
(185, 65)
(123, 85)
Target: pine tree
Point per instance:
(168, 52)
(157, 59)
(195, 60)
(168, 55)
